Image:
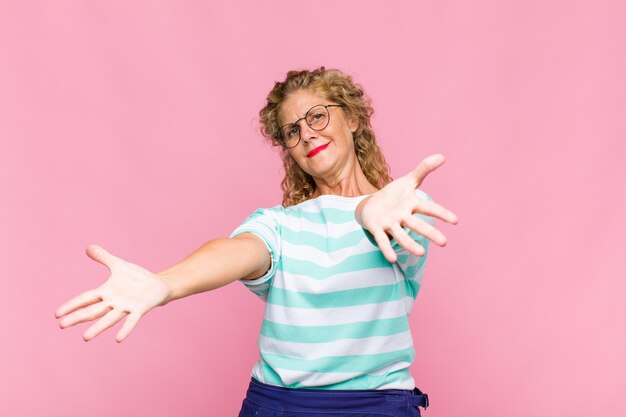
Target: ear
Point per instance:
(353, 122)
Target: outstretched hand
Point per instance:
(385, 212)
(130, 290)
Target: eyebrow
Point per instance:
(290, 123)
(300, 118)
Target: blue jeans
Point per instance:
(263, 400)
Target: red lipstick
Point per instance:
(317, 150)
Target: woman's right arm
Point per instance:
(131, 290)
(215, 264)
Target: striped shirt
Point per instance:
(336, 313)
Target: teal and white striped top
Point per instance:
(336, 313)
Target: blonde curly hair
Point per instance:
(297, 185)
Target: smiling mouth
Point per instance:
(317, 150)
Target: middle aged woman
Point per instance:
(335, 336)
(338, 264)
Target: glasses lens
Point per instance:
(290, 135)
(317, 118)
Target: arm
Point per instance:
(131, 291)
(215, 264)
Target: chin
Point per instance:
(320, 170)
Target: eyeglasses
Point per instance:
(317, 118)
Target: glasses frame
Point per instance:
(280, 138)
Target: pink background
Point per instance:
(134, 125)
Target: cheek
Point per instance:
(299, 160)
(295, 155)
(347, 140)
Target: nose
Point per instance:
(306, 133)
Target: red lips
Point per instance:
(317, 150)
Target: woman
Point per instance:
(338, 264)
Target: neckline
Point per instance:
(340, 196)
(331, 197)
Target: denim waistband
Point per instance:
(306, 398)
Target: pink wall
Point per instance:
(133, 125)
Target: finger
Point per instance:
(128, 326)
(428, 165)
(404, 240)
(384, 245)
(81, 300)
(104, 323)
(425, 229)
(433, 209)
(92, 312)
(101, 255)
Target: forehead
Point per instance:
(297, 104)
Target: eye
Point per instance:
(292, 131)
(317, 119)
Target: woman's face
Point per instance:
(322, 153)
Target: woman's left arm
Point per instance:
(385, 212)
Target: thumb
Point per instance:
(428, 165)
(99, 254)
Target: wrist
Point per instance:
(167, 279)
(359, 210)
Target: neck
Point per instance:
(352, 182)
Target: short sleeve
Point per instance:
(264, 224)
(411, 266)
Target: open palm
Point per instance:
(130, 291)
(387, 211)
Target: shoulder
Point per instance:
(267, 211)
(268, 218)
